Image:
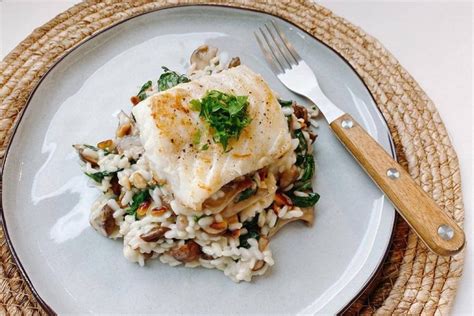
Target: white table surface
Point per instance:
(433, 41)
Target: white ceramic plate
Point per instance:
(46, 199)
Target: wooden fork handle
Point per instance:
(437, 230)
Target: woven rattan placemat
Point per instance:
(412, 280)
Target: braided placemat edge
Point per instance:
(412, 280)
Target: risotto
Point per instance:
(205, 169)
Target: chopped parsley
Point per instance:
(99, 176)
(142, 93)
(205, 147)
(197, 137)
(169, 79)
(225, 114)
(137, 199)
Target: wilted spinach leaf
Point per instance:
(99, 176)
(169, 79)
(137, 199)
(142, 93)
(304, 201)
(252, 232)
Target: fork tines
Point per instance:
(276, 48)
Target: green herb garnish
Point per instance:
(252, 232)
(137, 199)
(285, 102)
(304, 201)
(197, 137)
(142, 93)
(99, 176)
(169, 79)
(226, 115)
(205, 147)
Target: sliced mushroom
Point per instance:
(231, 191)
(307, 217)
(300, 112)
(289, 176)
(234, 208)
(263, 173)
(206, 256)
(202, 56)
(234, 62)
(114, 184)
(107, 220)
(187, 252)
(312, 136)
(154, 234)
(85, 156)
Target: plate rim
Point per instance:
(49, 310)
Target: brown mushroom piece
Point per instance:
(107, 220)
(234, 62)
(84, 157)
(115, 185)
(312, 136)
(231, 191)
(206, 256)
(154, 234)
(307, 217)
(188, 252)
(202, 56)
(300, 112)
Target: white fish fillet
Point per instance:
(168, 127)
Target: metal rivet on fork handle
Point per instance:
(393, 173)
(446, 232)
(346, 124)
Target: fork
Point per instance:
(434, 227)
